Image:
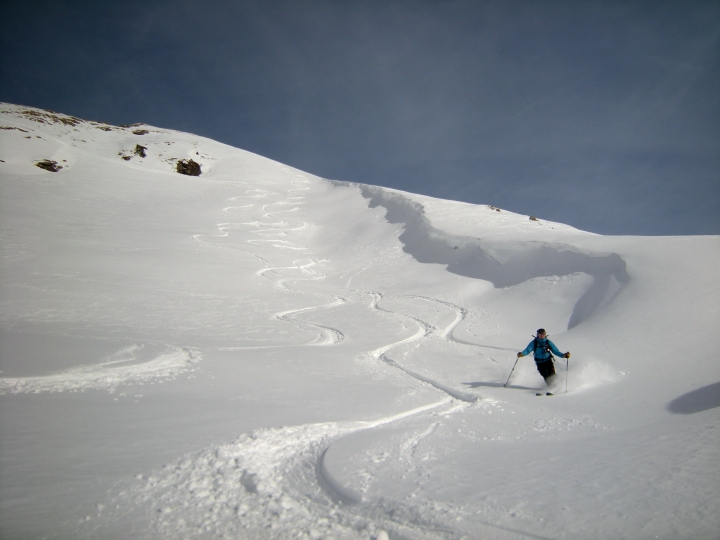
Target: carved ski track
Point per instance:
(272, 473)
(424, 330)
(319, 444)
(285, 464)
(277, 229)
(273, 483)
(461, 313)
(123, 367)
(334, 335)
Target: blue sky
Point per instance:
(602, 115)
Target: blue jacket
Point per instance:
(540, 354)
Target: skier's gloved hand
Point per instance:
(566, 355)
(520, 355)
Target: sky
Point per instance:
(601, 115)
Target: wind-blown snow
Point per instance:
(256, 352)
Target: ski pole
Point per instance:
(567, 367)
(511, 372)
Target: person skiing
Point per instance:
(543, 349)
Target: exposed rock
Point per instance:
(140, 150)
(533, 218)
(189, 167)
(51, 117)
(48, 165)
(127, 158)
(140, 131)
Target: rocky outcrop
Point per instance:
(48, 165)
(189, 167)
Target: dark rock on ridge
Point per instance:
(189, 167)
(48, 165)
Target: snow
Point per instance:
(260, 353)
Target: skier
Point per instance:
(543, 349)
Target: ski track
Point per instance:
(122, 368)
(332, 335)
(270, 226)
(272, 483)
(106, 375)
(425, 329)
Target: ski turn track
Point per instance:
(333, 336)
(273, 483)
(274, 232)
(270, 484)
(126, 366)
(425, 329)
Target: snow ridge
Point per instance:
(504, 263)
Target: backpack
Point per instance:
(546, 347)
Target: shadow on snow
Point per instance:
(702, 399)
(504, 264)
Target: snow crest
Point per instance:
(504, 263)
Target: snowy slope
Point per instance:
(256, 352)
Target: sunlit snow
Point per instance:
(256, 352)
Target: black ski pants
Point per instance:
(546, 369)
